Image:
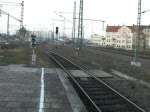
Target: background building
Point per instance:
(98, 40)
(124, 37)
(146, 37)
(119, 37)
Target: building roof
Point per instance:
(112, 28)
(133, 28)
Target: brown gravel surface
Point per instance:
(93, 59)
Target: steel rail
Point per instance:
(134, 106)
(142, 56)
(97, 109)
(105, 85)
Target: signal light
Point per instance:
(56, 30)
(33, 41)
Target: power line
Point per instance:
(10, 2)
(94, 20)
(10, 15)
(145, 11)
(57, 20)
(63, 17)
(67, 12)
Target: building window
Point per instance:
(118, 36)
(123, 46)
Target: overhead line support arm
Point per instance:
(10, 15)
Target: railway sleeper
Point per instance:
(103, 97)
(89, 79)
(124, 111)
(114, 108)
(108, 102)
(94, 89)
(98, 93)
(86, 82)
(91, 86)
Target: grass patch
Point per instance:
(23, 56)
(16, 56)
(89, 59)
(42, 59)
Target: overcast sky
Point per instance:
(38, 14)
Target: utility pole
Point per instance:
(0, 9)
(80, 25)
(74, 23)
(92, 29)
(22, 14)
(136, 61)
(7, 27)
(3, 12)
(64, 35)
(53, 34)
(83, 32)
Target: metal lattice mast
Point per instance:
(7, 27)
(64, 30)
(74, 23)
(80, 25)
(138, 33)
(0, 9)
(22, 13)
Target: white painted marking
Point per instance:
(41, 106)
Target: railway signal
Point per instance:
(33, 41)
(33, 45)
(57, 30)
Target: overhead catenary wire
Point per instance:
(63, 17)
(94, 20)
(67, 12)
(10, 15)
(145, 11)
(9, 2)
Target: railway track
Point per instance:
(127, 53)
(96, 95)
(8, 46)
